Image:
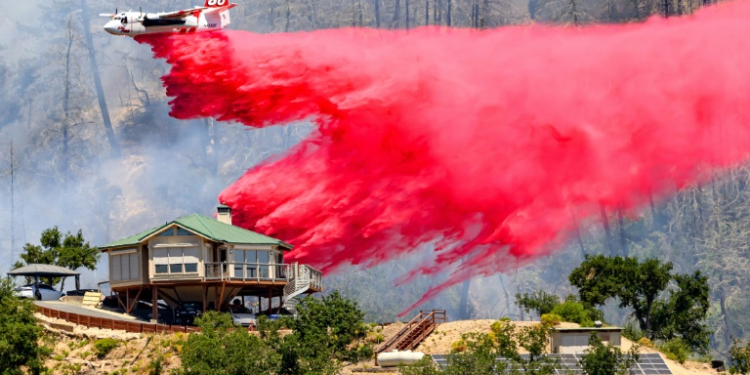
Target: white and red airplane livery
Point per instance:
(214, 15)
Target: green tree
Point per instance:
(329, 324)
(574, 311)
(539, 301)
(636, 284)
(740, 358)
(683, 315)
(69, 251)
(19, 335)
(603, 359)
(223, 349)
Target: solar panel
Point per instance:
(647, 364)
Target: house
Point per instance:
(211, 262)
(576, 340)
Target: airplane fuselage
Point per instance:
(136, 23)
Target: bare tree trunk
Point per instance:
(12, 206)
(407, 14)
(621, 224)
(211, 156)
(426, 12)
(66, 99)
(288, 15)
(578, 234)
(361, 16)
(138, 89)
(396, 14)
(725, 316)
(98, 83)
(505, 291)
(448, 14)
(607, 230)
(377, 13)
(463, 308)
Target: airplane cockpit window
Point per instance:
(124, 20)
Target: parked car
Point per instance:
(241, 315)
(45, 293)
(186, 313)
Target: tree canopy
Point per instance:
(69, 250)
(638, 285)
(19, 335)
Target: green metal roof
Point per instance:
(205, 227)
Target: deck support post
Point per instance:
(155, 305)
(221, 297)
(205, 292)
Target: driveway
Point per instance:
(82, 310)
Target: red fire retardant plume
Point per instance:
(490, 145)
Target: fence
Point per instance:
(135, 327)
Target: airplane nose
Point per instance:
(111, 27)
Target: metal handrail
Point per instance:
(226, 270)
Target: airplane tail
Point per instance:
(216, 3)
(219, 11)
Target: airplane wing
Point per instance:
(195, 11)
(219, 9)
(183, 13)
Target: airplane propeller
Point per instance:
(108, 15)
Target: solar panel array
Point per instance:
(647, 364)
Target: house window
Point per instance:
(124, 266)
(176, 260)
(167, 233)
(254, 263)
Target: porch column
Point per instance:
(78, 282)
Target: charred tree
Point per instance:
(406, 3)
(12, 206)
(396, 14)
(98, 83)
(623, 242)
(377, 13)
(448, 13)
(607, 230)
(426, 12)
(288, 16)
(66, 99)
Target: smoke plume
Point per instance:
(490, 145)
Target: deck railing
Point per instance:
(246, 271)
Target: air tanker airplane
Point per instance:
(214, 15)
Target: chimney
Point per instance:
(224, 214)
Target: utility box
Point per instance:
(576, 340)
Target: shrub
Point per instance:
(603, 359)
(632, 333)
(676, 350)
(740, 358)
(644, 341)
(104, 346)
(156, 366)
(574, 311)
(551, 319)
(458, 346)
(504, 319)
(424, 366)
(19, 334)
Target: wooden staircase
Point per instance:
(414, 332)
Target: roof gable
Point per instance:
(204, 227)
